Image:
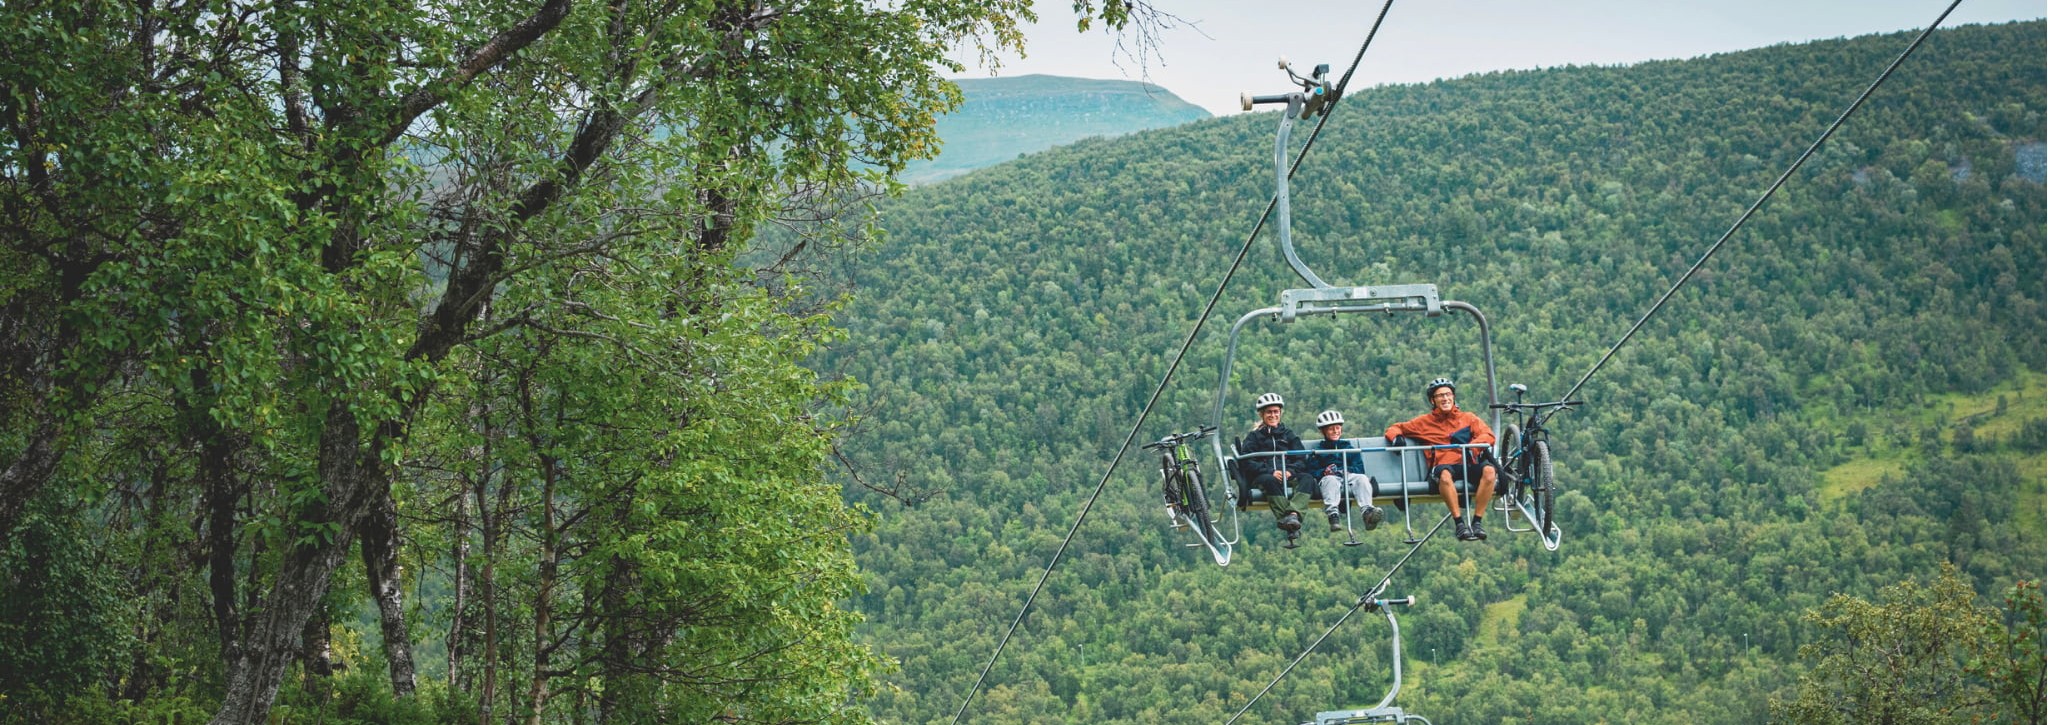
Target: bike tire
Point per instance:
(1545, 485)
(1197, 503)
(1169, 483)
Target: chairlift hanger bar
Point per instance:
(1315, 97)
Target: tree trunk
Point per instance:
(620, 651)
(220, 556)
(353, 477)
(380, 565)
(317, 653)
(26, 475)
(457, 676)
(220, 491)
(487, 590)
(537, 693)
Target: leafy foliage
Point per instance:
(1918, 655)
(436, 286)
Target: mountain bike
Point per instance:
(1526, 462)
(1180, 482)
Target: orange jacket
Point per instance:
(1439, 428)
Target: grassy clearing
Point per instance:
(1501, 620)
(2025, 403)
(1858, 474)
(2032, 514)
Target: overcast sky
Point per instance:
(1228, 46)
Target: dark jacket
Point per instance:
(1346, 462)
(1262, 440)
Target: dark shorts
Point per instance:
(1457, 471)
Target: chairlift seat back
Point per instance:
(1399, 473)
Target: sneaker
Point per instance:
(1336, 521)
(1478, 532)
(1373, 516)
(1290, 523)
(1464, 531)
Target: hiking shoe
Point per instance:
(1290, 523)
(1373, 516)
(1464, 531)
(1478, 531)
(1336, 521)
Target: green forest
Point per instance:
(1847, 398)
(495, 361)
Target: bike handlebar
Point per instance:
(1179, 438)
(1518, 407)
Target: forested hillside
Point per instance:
(1000, 119)
(1848, 396)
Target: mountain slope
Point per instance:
(1018, 319)
(1004, 118)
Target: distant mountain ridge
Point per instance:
(1004, 118)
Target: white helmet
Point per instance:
(1329, 418)
(1430, 389)
(1268, 399)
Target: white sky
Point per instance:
(1230, 46)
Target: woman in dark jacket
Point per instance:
(1272, 474)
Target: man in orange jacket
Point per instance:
(1445, 424)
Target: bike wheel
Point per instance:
(1510, 459)
(1170, 485)
(1545, 487)
(1196, 503)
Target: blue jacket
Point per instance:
(1320, 463)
